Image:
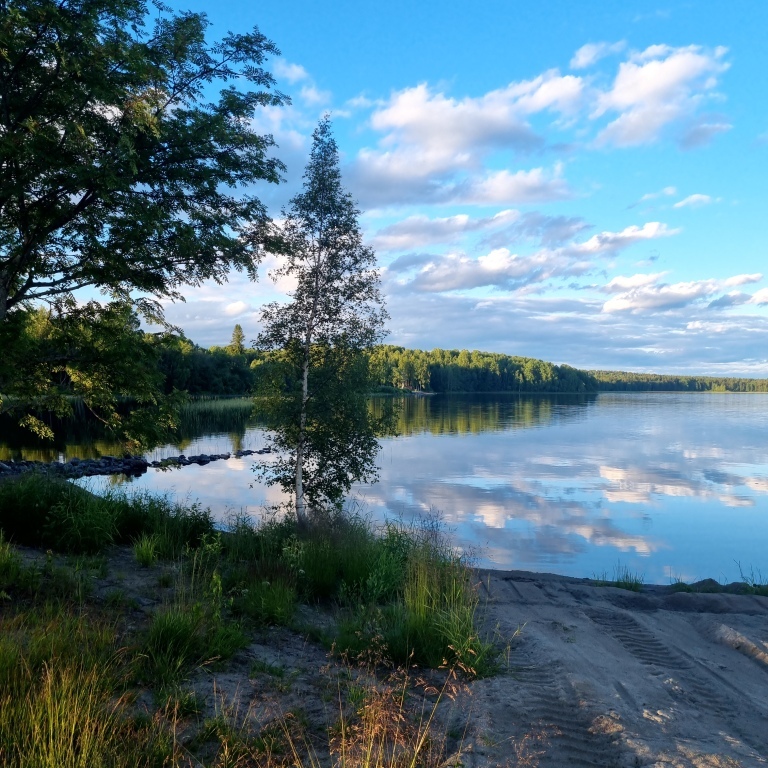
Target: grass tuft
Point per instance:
(145, 550)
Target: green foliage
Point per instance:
(443, 370)
(119, 172)
(10, 566)
(315, 386)
(237, 343)
(59, 675)
(267, 602)
(86, 355)
(43, 510)
(145, 550)
(629, 381)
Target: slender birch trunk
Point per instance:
(301, 507)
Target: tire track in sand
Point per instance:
(575, 736)
(692, 681)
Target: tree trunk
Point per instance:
(301, 507)
(3, 302)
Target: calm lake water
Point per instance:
(668, 485)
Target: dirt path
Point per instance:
(607, 677)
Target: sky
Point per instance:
(579, 182)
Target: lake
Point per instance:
(667, 485)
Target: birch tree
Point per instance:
(314, 385)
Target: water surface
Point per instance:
(669, 485)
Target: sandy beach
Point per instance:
(608, 677)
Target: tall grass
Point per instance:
(45, 511)
(62, 701)
(71, 666)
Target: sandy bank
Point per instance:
(610, 677)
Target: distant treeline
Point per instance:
(453, 370)
(626, 381)
(233, 370)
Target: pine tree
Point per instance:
(315, 388)
(237, 343)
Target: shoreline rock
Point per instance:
(132, 466)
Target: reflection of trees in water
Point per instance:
(84, 437)
(472, 414)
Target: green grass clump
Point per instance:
(41, 510)
(267, 602)
(755, 582)
(145, 550)
(61, 703)
(623, 578)
(435, 621)
(10, 566)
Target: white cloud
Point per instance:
(693, 201)
(622, 284)
(502, 269)
(235, 308)
(759, 297)
(755, 277)
(419, 230)
(429, 140)
(644, 293)
(591, 53)
(610, 242)
(504, 187)
(666, 192)
(544, 230)
(313, 96)
(293, 73)
(701, 132)
(656, 87)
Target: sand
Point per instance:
(608, 677)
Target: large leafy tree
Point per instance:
(119, 172)
(315, 381)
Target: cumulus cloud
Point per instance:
(693, 201)
(380, 180)
(500, 268)
(285, 70)
(732, 299)
(621, 284)
(611, 242)
(420, 230)
(313, 96)
(644, 293)
(235, 308)
(759, 297)
(503, 187)
(433, 146)
(655, 87)
(591, 53)
(755, 277)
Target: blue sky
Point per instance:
(580, 182)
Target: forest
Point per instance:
(233, 369)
